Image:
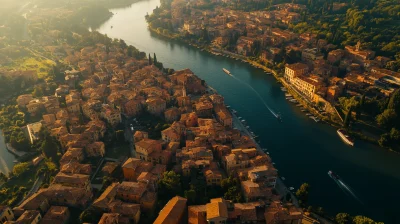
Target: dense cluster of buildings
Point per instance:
(323, 73)
(201, 138)
(317, 79)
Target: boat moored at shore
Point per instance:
(345, 137)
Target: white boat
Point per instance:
(288, 94)
(283, 178)
(239, 118)
(291, 188)
(345, 137)
(234, 111)
(247, 127)
(315, 119)
(243, 120)
(267, 153)
(308, 114)
(289, 98)
(227, 71)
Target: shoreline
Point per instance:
(279, 79)
(280, 186)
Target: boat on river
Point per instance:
(227, 71)
(288, 95)
(345, 137)
(333, 175)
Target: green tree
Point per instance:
(50, 148)
(364, 220)
(387, 119)
(20, 168)
(170, 185)
(347, 119)
(394, 102)
(90, 215)
(343, 218)
(155, 59)
(191, 196)
(302, 193)
(150, 62)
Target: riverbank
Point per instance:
(333, 119)
(280, 186)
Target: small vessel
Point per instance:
(288, 95)
(315, 119)
(345, 137)
(243, 120)
(239, 118)
(291, 188)
(308, 114)
(283, 178)
(333, 175)
(226, 71)
(289, 98)
(303, 110)
(247, 127)
(278, 116)
(234, 111)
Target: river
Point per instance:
(304, 151)
(6, 158)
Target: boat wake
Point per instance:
(276, 115)
(347, 190)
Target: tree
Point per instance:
(38, 91)
(20, 168)
(155, 59)
(343, 218)
(90, 215)
(384, 140)
(49, 148)
(394, 102)
(191, 195)
(150, 59)
(364, 220)
(347, 119)
(169, 185)
(302, 192)
(387, 119)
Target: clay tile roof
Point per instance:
(217, 208)
(172, 211)
(131, 163)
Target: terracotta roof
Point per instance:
(217, 208)
(172, 211)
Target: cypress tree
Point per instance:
(347, 119)
(155, 59)
(149, 59)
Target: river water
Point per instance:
(304, 151)
(6, 158)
